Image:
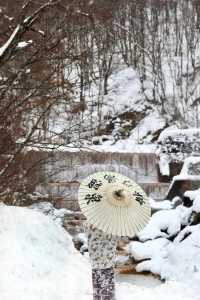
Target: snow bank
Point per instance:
(38, 260)
(165, 223)
(151, 249)
(170, 290)
(47, 208)
(125, 146)
(177, 259)
(160, 205)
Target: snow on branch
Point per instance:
(5, 47)
(8, 49)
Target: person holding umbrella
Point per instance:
(114, 206)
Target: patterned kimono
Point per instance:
(102, 249)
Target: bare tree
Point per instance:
(32, 84)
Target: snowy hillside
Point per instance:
(123, 121)
(88, 86)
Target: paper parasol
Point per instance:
(114, 203)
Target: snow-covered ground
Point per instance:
(38, 259)
(39, 262)
(173, 290)
(125, 146)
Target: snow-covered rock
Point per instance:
(167, 249)
(177, 260)
(81, 240)
(171, 260)
(147, 127)
(165, 223)
(151, 249)
(160, 205)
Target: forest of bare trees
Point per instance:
(53, 52)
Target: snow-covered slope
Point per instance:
(38, 262)
(37, 258)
